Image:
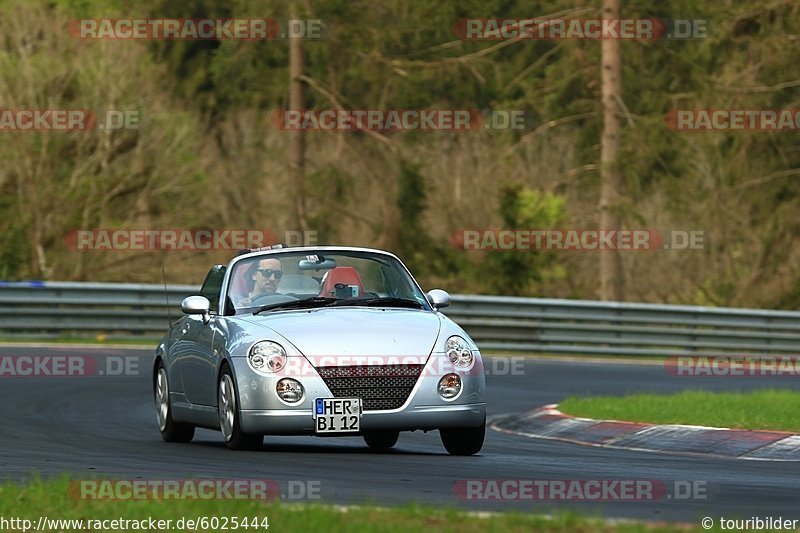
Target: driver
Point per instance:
(265, 275)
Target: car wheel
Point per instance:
(381, 440)
(171, 431)
(232, 432)
(464, 441)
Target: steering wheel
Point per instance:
(269, 299)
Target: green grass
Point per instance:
(50, 499)
(99, 340)
(762, 409)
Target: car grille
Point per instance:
(380, 387)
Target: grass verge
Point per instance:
(99, 340)
(50, 499)
(774, 409)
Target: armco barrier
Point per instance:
(495, 322)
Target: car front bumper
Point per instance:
(423, 417)
(262, 412)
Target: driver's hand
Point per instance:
(244, 302)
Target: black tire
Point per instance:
(171, 431)
(464, 441)
(381, 440)
(235, 438)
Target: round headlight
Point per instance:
(449, 386)
(289, 390)
(459, 353)
(267, 356)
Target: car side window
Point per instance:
(213, 285)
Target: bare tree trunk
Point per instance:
(611, 275)
(296, 137)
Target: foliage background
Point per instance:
(206, 155)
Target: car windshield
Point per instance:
(310, 279)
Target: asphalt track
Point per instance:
(105, 427)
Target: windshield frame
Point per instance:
(319, 250)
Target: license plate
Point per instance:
(337, 415)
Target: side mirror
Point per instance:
(438, 298)
(197, 305)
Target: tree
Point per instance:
(512, 272)
(296, 137)
(611, 275)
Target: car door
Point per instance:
(198, 359)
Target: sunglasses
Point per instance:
(267, 272)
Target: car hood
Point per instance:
(347, 331)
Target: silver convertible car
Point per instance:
(325, 341)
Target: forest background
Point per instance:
(206, 154)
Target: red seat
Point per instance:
(346, 278)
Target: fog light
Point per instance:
(289, 390)
(449, 386)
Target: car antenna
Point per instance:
(166, 295)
